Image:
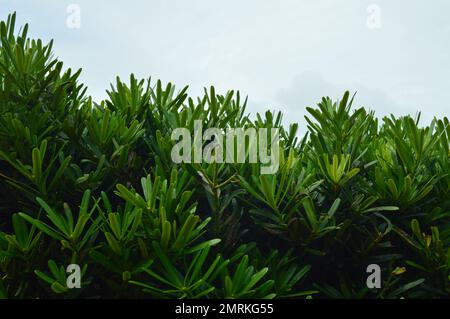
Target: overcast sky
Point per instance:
(284, 55)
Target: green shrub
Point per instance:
(93, 184)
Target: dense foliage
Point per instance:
(94, 184)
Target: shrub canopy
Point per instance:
(93, 184)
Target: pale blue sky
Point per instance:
(283, 54)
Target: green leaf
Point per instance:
(203, 245)
(310, 213)
(407, 287)
(43, 227)
(334, 207)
